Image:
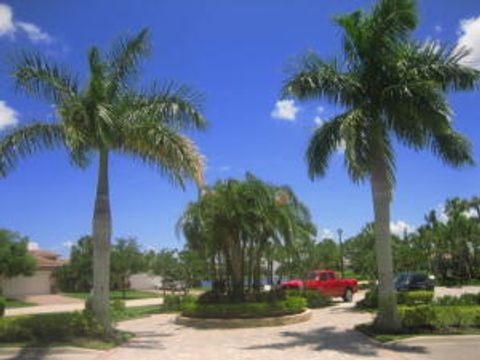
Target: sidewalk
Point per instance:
(56, 308)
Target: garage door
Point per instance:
(37, 284)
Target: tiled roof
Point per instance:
(47, 259)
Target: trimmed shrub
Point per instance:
(3, 305)
(117, 305)
(403, 298)
(315, 299)
(415, 297)
(49, 327)
(465, 299)
(420, 316)
(177, 302)
(292, 305)
(439, 317)
(370, 301)
(457, 316)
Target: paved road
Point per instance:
(445, 347)
(329, 335)
(74, 306)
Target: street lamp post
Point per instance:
(340, 232)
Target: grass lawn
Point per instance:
(138, 312)
(14, 303)
(81, 342)
(118, 295)
(370, 331)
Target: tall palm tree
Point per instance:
(108, 114)
(390, 86)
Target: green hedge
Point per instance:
(403, 298)
(415, 297)
(177, 302)
(315, 299)
(465, 299)
(48, 327)
(292, 305)
(439, 317)
(3, 305)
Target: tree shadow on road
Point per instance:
(31, 353)
(329, 338)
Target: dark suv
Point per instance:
(407, 281)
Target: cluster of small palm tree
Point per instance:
(235, 223)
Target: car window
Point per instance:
(416, 278)
(330, 276)
(323, 277)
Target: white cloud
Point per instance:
(8, 116)
(224, 168)
(67, 244)
(9, 26)
(326, 234)
(285, 110)
(400, 227)
(438, 29)
(441, 214)
(318, 120)
(33, 32)
(33, 245)
(320, 109)
(470, 38)
(341, 147)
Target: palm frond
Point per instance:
(323, 143)
(38, 77)
(177, 106)
(432, 61)
(316, 79)
(391, 21)
(173, 154)
(25, 140)
(353, 38)
(453, 148)
(124, 59)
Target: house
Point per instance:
(144, 281)
(41, 282)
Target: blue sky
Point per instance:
(236, 54)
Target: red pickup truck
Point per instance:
(325, 282)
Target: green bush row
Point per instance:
(415, 297)
(3, 305)
(177, 302)
(439, 317)
(315, 299)
(465, 299)
(403, 298)
(292, 305)
(48, 327)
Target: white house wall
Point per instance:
(37, 284)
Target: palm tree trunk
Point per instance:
(102, 229)
(236, 263)
(387, 317)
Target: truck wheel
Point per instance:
(348, 297)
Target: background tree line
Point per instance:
(127, 258)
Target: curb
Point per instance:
(206, 323)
